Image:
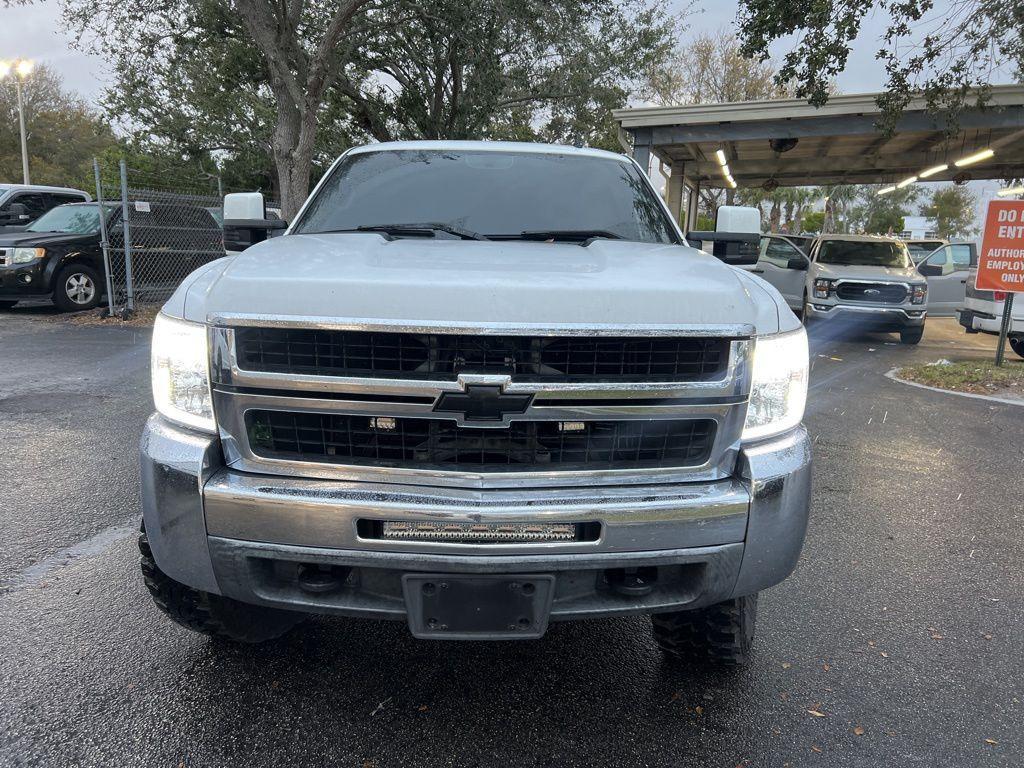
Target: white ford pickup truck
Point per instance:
(476, 387)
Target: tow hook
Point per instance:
(632, 582)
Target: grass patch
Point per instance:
(980, 377)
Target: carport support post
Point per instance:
(1004, 327)
(675, 192)
(129, 281)
(104, 240)
(692, 204)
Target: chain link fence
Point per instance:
(156, 231)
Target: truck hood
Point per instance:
(837, 271)
(409, 281)
(41, 239)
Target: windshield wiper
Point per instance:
(565, 235)
(418, 229)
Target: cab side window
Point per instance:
(941, 258)
(961, 257)
(779, 252)
(35, 204)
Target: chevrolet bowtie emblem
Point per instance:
(482, 399)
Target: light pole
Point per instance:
(21, 68)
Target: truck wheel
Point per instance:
(210, 614)
(76, 288)
(1017, 345)
(911, 335)
(722, 633)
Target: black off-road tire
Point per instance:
(911, 335)
(720, 634)
(1017, 345)
(212, 615)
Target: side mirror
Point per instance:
(246, 222)
(737, 236)
(797, 263)
(16, 213)
(930, 270)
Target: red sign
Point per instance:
(1001, 261)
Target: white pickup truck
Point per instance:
(982, 311)
(476, 387)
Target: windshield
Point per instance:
(492, 194)
(857, 253)
(73, 219)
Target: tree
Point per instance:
(294, 84)
(838, 198)
(953, 210)
(814, 221)
(948, 52)
(710, 68)
(63, 133)
(876, 214)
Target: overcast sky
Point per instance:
(35, 31)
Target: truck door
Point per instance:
(947, 279)
(776, 263)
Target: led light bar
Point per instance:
(1010, 191)
(886, 191)
(721, 157)
(906, 182)
(484, 532)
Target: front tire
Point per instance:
(1017, 345)
(721, 634)
(911, 335)
(76, 288)
(210, 614)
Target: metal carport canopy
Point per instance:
(838, 143)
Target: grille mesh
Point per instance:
(444, 356)
(411, 442)
(879, 293)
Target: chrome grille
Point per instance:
(876, 293)
(412, 442)
(443, 356)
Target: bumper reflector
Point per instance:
(478, 532)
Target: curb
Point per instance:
(893, 375)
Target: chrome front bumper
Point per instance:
(244, 535)
(906, 317)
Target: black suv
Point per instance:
(59, 255)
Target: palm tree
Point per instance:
(837, 199)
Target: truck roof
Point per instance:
(488, 146)
(39, 188)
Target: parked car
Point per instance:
(59, 255)
(476, 387)
(982, 311)
(870, 279)
(922, 249)
(21, 204)
(947, 270)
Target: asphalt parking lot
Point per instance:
(898, 641)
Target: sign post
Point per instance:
(1001, 261)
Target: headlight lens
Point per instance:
(25, 255)
(822, 288)
(180, 371)
(918, 293)
(778, 392)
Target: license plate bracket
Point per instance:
(478, 607)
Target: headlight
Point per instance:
(180, 371)
(25, 255)
(822, 288)
(778, 391)
(918, 293)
